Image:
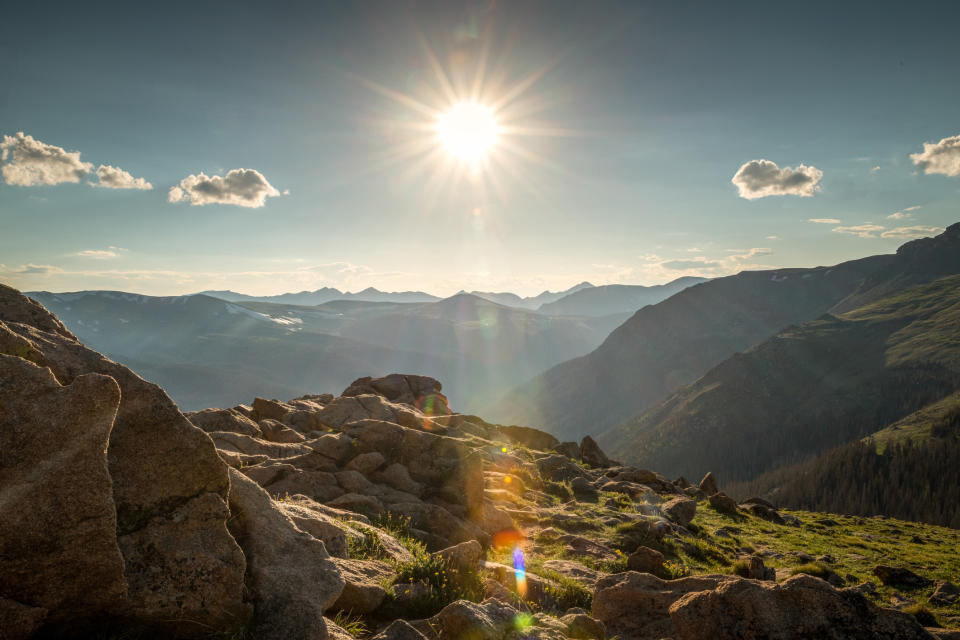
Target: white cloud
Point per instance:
(30, 270)
(684, 265)
(98, 254)
(27, 162)
(240, 187)
(773, 237)
(875, 169)
(762, 178)
(117, 178)
(907, 233)
(903, 213)
(824, 220)
(740, 255)
(939, 157)
(861, 230)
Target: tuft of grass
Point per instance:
(817, 569)
(571, 593)
(445, 583)
(367, 547)
(674, 570)
(352, 624)
(705, 551)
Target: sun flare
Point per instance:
(468, 130)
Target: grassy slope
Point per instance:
(809, 388)
(933, 421)
(856, 544)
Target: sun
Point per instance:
(468, 131)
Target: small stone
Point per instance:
(708, 484)
(646, 560)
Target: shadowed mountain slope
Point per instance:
(664, 346)
(807, 389)
(668, 345)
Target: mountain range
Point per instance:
(667, 345)
(207, 351)
(218, 347)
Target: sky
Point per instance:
(169, 148)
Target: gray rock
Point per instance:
(169, 485)
(645, 560)
(229, 420)
(591, 454)
(708, 484)
(291, 576)
(275, 431)
(723, 503)
(367, 463)
(680, 510)
(58, 529)
(363, 588)
(463, 556)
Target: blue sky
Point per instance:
(615, 165)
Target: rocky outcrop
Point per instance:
(420, 392)
(899, 576)
(58, 542)
(529, 437)
(289, 571)
(181, 567)
(801, 607)
(591, 454)
(729, 608)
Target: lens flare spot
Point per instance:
(503, 449)
(507, 538)
(520, 571)
(522, 621)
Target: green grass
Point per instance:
(367, 546)
(445, 584)
(817, 569)
(856, 544)
(352, 624)
(934, 420)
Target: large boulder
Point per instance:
(181, 565)
(58, 528)
(290, 574)
(641, 606)
(529, 437)
(464, 620)
(420, 392)
(802, 607)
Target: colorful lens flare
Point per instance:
(520, 571)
